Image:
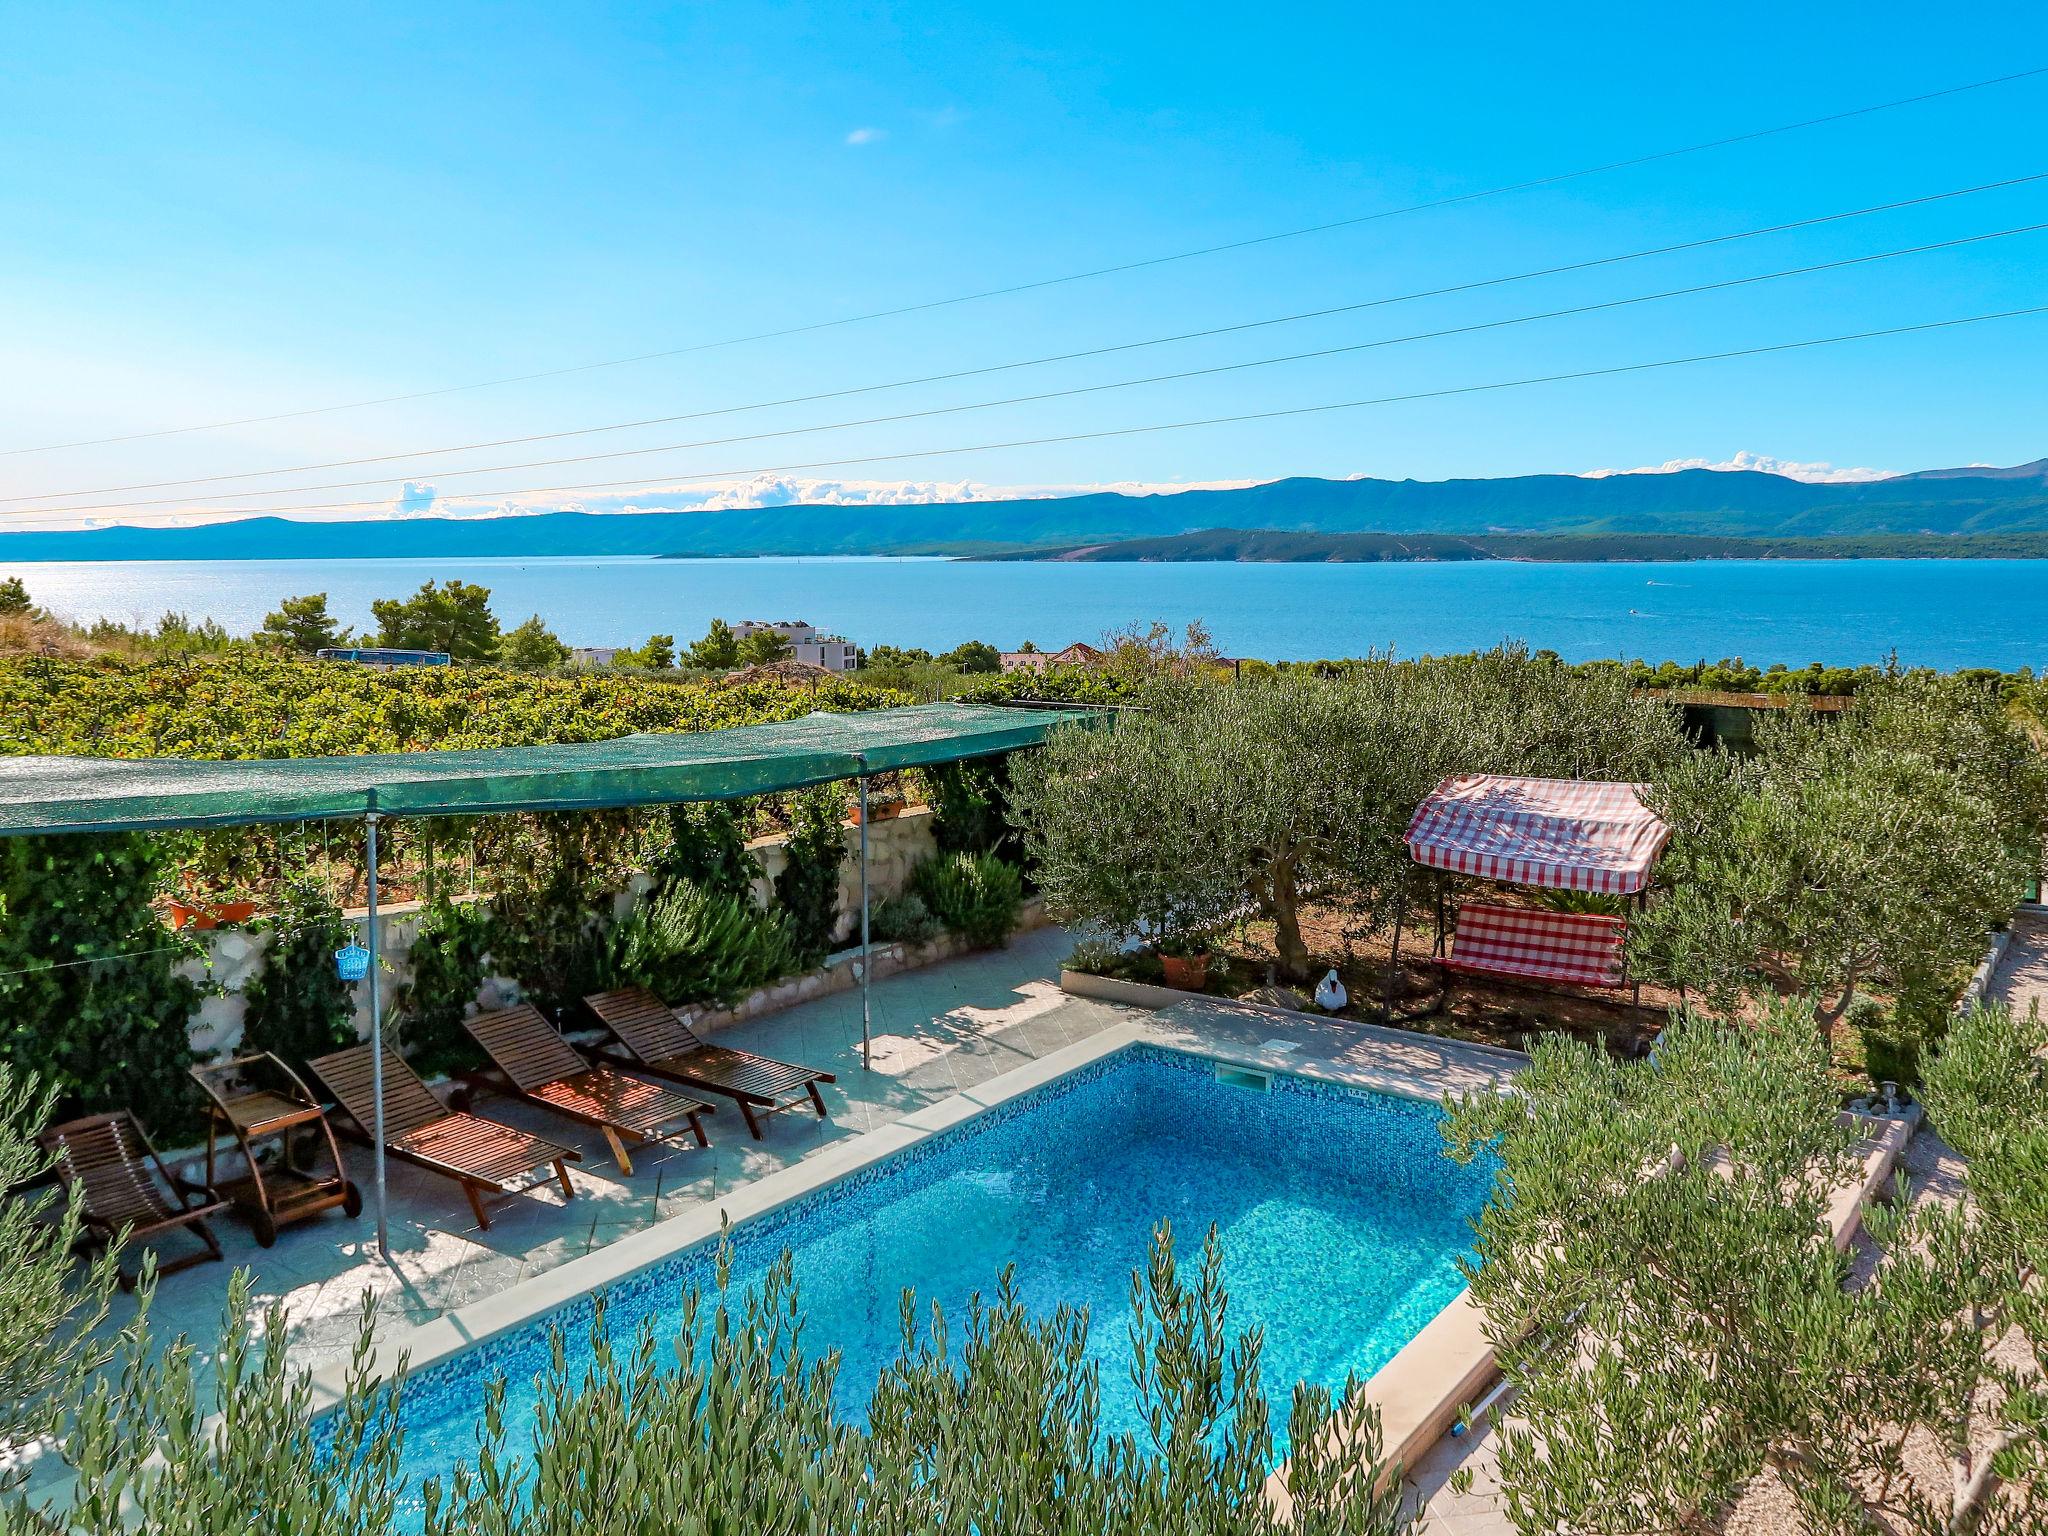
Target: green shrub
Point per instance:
(550, 938)
(1891, 1055)
(689, 945)
(967, 804)
(447, 963)
(1898, 1040)
(807, 889)
(904, 919)
(53, 1340)
(708, 848)
(1097, 957)
(989, 1421)
(297, 1006)
(975, 895)
(90, 999)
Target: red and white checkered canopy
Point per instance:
(1584, 947)
(1566, 834)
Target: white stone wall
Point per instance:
(895, 847)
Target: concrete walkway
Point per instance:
(2021, 980)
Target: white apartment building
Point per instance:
(835, 653)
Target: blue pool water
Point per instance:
(1341, 1224)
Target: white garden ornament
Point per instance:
(1330, 993)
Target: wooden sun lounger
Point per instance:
(653, 1038)
(483, 1156)
(543, 1068)
(123, 1180)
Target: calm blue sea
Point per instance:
(1934, 612)
(1340, 1219)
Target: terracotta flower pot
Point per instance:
(1187, 973)
(206, 915)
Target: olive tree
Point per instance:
(1533, 715)
(1263, 793)
(1871, 851)
(52, 1339)
(1252, 796)
(1121, 826)
(1664, 1296)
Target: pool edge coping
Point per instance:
(429, 1343)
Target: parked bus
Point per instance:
(384, 656)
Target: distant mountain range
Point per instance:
(1281, 546)
(1718, 504)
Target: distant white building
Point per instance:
(1079, 654)
(835, 653)
(592, 655)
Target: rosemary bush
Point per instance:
(976, 895)
(729, 1429)
(52, 1339)
(686, 944)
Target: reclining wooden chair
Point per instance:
(483, 1156)
(535, 1063)
(653, 1039)
(127, 1187)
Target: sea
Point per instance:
(1941, 613)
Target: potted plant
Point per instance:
(221, 908)
(885, 803)
(1184, 955)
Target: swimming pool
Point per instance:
(1341, 1223)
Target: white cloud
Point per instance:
(861, 136)
(419, 499)
(1819, 473)
(773, 490)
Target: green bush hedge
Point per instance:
(977, 896)
(689, 945)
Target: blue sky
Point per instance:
(208, 213)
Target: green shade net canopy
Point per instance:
(92, 794)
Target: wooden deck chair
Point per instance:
(483, 1156)
(653, 1038)
(126, 1187)
(541, 1067)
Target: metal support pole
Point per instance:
(376, 1027)
(866, 959)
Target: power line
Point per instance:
(1071, 277)
(1091, 389)
(1034, 362)
(1249, 416)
